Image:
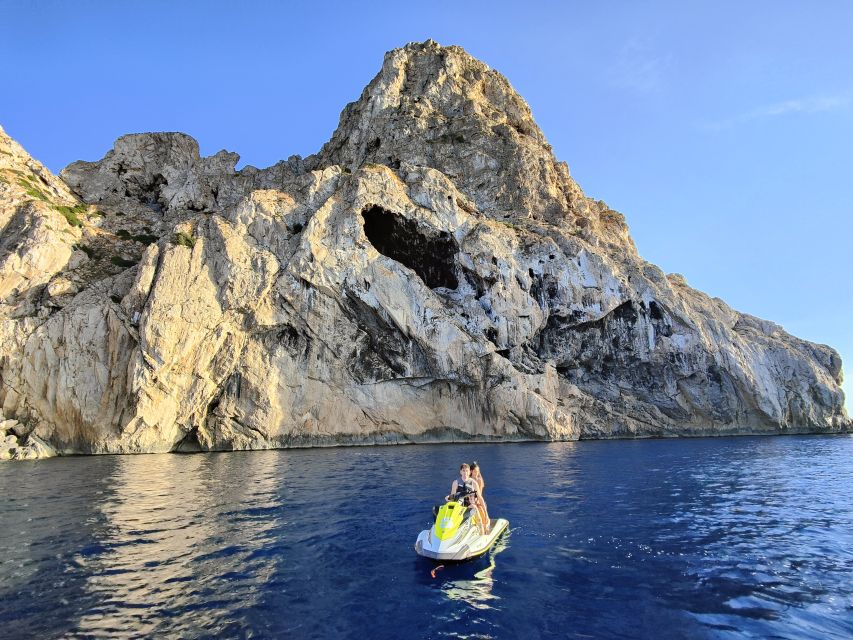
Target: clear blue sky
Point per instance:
(723, 130)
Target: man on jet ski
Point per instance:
(466, 486)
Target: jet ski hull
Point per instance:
(469, 547)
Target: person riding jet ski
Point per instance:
(466, 487)
(458, 532)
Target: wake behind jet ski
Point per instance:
(458, 533)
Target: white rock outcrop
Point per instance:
(433, 273)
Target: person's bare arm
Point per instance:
(452, 490)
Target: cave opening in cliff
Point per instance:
(431, 255)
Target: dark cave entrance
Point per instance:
(431, 256)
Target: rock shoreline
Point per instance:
(18, 443)
(36, 449)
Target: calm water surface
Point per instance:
(715, 538)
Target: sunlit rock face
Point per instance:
(433, 273)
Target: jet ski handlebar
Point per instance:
(462, 493)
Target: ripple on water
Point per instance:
(745, 537)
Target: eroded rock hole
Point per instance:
(431, 256)
(189, 443)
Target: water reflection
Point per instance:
(179, 529)
(37, 525)
(42, 527)
(477, 592)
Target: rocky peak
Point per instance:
(428, 107)
(162, 170)
(439, 107)
(165, 173)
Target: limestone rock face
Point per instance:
(433, 273)
(164, 173)
(36, 240)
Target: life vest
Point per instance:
(470, 484)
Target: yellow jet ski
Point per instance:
(456, 533)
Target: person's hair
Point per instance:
(464, 465)
(474, 465)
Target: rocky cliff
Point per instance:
(432, 273)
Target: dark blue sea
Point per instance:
(695, 538)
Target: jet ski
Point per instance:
(456, 536)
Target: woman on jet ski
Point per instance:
(465, 483)
(479, 500)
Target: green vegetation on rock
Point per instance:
(89, 251)
(122, 262)
(184, 239)
(31, 187)
(70, 213)
(145, 238)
